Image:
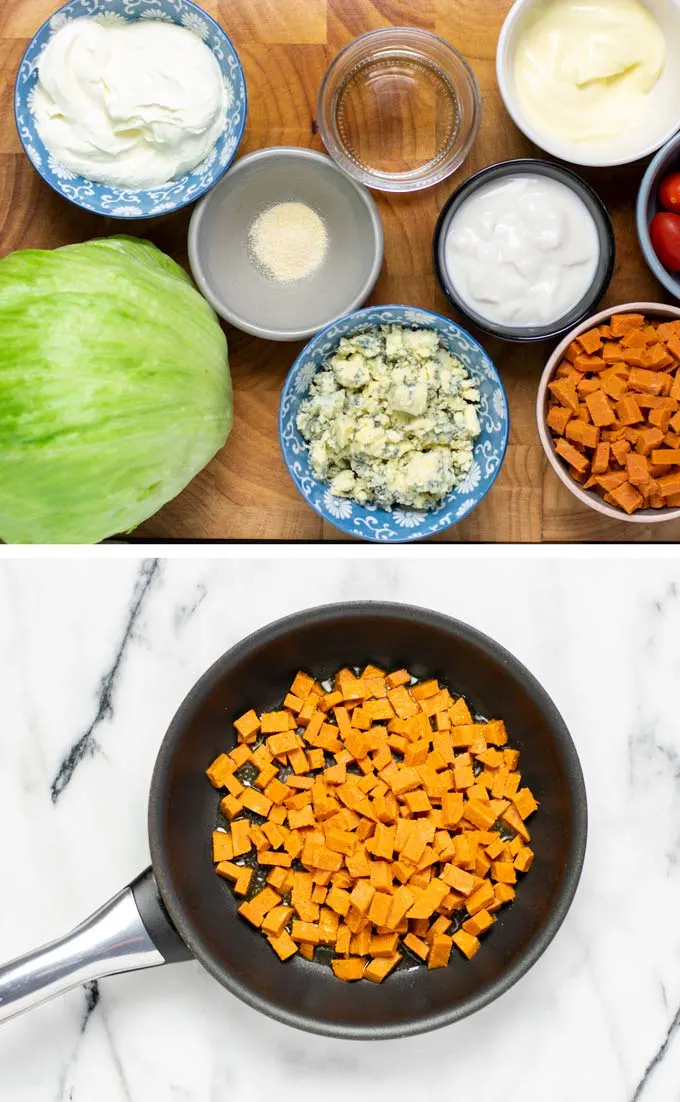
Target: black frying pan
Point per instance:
(179, 908)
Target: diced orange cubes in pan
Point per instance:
(376, 817)
(614, 412)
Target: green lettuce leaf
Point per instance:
(114, 389)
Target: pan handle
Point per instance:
(131, 931)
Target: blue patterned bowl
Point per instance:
(133, 203)
(396, 525)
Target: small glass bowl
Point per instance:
(399, 109)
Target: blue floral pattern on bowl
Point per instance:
(397, 525)
(131, 203)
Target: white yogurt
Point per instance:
(522, 251)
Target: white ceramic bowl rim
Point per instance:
(569, 153)
(589, 497)
(273, 153)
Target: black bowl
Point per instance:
(183, 809)
(605, 233)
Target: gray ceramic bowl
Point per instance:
(239, 291)
(667, 160)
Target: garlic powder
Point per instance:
(288, 241)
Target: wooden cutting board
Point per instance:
(285, 47)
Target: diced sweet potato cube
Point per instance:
(667, 330)
(504, 872)
(256, 801)
(398, 677)
(378, 968)
(504, 893)
(349, 969)
(402, 901)
(661, 417)
(565, 393)
(223, 849)
(417, 946)
(480, 814)
(248, 726)
(658, 358)
(581, 433)
(644, 381)
(240, 837)
(586, 385)
(635, 338)
(524, 859)
(647, 440)
(512, 818)
(480, 922)
(242, 882)
(256, 908)
(283, 945)
(402, 702)
(276, 920)
(383, 945)
(440, 951)
(467, 943)
(665, 456)
(614, 384)
(584, 363)
(627, 497)
(600, 410)
(571, 455)
(620, 449)
(220, 770)
(621, 323)
(558, 418)
(458, 879)
(669, 484)
(525, 802)
(590, 341)
(637, 469)
(480, 897)
(600, 461)
(460, 713)
(628, 411)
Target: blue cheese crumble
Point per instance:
(391, 419)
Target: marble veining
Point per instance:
(87, 744)
(95, 657)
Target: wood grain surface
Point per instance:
(285, 47)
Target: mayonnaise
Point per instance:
(130, 105)
(583, 69)
(522, 251)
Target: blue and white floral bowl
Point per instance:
(132, 203)
(396, 525)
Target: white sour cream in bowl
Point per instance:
(129, 105)
(520, 251)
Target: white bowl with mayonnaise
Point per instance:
(593, 82)
(524, 249)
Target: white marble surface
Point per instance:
(96, 655)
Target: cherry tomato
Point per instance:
(664, 232)
(669, 192)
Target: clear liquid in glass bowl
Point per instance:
(399, 109)
(396, 115)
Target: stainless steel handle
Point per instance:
(113, 939)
